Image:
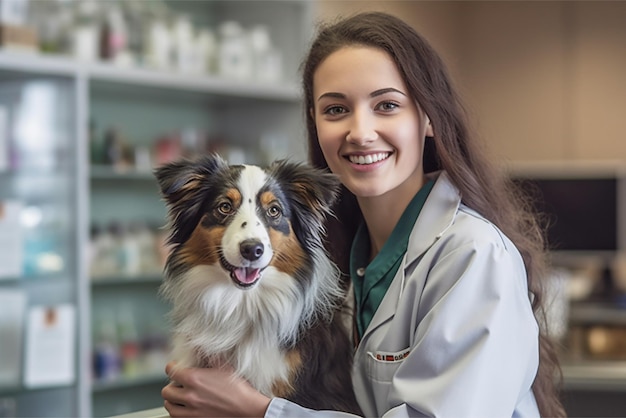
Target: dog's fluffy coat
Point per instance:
(250, 282)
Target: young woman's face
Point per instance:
(370, 130)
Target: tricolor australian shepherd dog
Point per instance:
(249, 281)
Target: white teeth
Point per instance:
(368, 159)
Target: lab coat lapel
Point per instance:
(436, 216)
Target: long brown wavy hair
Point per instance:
(453, 149)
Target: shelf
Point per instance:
(10, 390)
(144, 104)
(192, 82)
(597, 313)
(595, 375)
(117, 280)
(106, 172)
(34, 63)
(126, 383)
(6, 390)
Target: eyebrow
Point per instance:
(375, 93)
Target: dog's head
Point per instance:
(244, 218)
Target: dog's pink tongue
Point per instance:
(245, 275)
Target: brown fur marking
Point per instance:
(288, 253)
(267, 198)
(283, 388)
(234, 196)
(201, 247)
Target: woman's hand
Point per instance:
(204, 392)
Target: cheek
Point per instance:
(331, 155)
(408, 136)
(411, 148)
(330, 140)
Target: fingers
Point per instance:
(176, 374)
(174, 394)
(175, 410)
(210, 392)
(170, 368)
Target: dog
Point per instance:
(249, 281)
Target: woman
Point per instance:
(445, 261)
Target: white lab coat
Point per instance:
(459, 306)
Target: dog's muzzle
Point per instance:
(246, 277)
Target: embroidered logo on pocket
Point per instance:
(389, 357)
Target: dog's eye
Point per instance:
(225, 208)
(274, 211)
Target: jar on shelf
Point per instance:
(267, 60)
(85, 39)
(159, 42)
(235, 55)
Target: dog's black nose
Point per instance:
(251, 249)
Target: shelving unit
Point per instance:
(588, 374)
(145, 104)
(45, 174)
(607, 376)
(594, 378)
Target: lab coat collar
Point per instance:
(437, 215)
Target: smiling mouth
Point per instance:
(369, 158)
(243, 277)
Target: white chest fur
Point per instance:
(247, 329)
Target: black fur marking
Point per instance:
(280, 224)
(190, 188)
(302, 186)
(326, 347)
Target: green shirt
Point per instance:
(372, 281)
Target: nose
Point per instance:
(362, 128)
(251, 249)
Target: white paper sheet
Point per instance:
(50, 346)
(12, 309)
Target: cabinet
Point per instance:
(41, 235)
(246, 119)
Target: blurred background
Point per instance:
(95, 94)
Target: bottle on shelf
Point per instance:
(129, 343)
(106, 358)
(235, 55)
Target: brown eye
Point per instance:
(274, 211)
(225, 208)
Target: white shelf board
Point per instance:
(596, 313)
(595, 375)
(35, 63)
(192, 82)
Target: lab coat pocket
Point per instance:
(382, 365)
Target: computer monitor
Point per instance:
(583, 207)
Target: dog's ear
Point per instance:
(311, 189)
(183, 186)
(179, 179)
